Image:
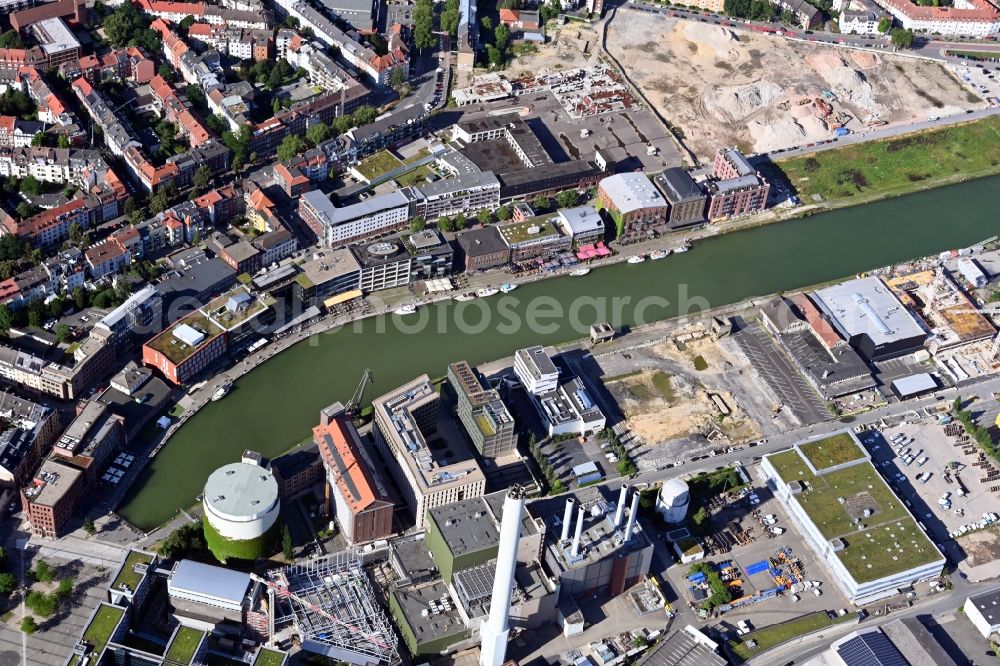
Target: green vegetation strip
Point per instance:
(269, 658)
(128, 576)
(183, 647)
(898, 165)
(99, 631)
(769, 637)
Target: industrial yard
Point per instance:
(762, 93)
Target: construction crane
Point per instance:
(284, 592)
(354, 405)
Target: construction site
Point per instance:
(761, 93)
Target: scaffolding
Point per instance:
(331, 605)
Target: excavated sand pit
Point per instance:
(724, 87)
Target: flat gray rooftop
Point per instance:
(866, 306)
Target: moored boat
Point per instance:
(467, 296)
(682, 248)
(636, 259)
(405, 309)
(659, 254)
(222, 391)
(487, 291)
(507, 287)
(579, 272)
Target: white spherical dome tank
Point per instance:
(241, 501)
(672, 502)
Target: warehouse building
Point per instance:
(867, 314)
(638, 209)
(868, 541)
(358, 497)
(687, 200)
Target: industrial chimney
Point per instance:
(633, 514)
(567, 520)
(494, 630)
(579, 531)
(620, 511)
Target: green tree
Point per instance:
(503, 213)
(80, 298)
(44, 572)
(25, 210)
(63, 141)
(318, 133)
(450, 16)
(31, 185)
(202, 178)
(75, 233)
(541, 203)
(501, 37)
(28, 625)
(884, 25)
(901, 38)
(342, 124)
(417, 223)
(274, 79)
(444, 223)
(7, 583)
(11, 40)
(186, 24)
(196, 94)
(494, 56)
(36, 313)
(185, 542)
(65, 588)
(158, 202)
(423, 25)
(6, 319)
(459, 222)
(397, 78)
(38, 140)
(290, 146)
(567, 198)
(56, 307)
(484, 216)
(166, 71)
(364, 115)
(486, 23)
(43, 604)
(286, 543)
(89, 527)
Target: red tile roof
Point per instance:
(820, 326)
(334, 442)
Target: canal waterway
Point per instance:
(275, 406)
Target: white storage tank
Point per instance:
(672, 502)
(241, 500)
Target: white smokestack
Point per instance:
(620, 511)
(494, 630)
(633, 514)
(579, 531)
(567, 520)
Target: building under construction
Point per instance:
(330, 605)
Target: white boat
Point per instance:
(487, 291)
(467, 296)
(222, 391)
(636, 259)
(659, 254)
(579, 272)
(405, 309)
(682, 248)
(507, 287)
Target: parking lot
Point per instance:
(938, 470)
(787, 383)
(985, 83)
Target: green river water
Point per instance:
(276, 405)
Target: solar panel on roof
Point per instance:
(872, 648)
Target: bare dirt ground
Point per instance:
(759, 92)
(571, 45)
(661, 406)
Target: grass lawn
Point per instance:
(268, 658)
(176, 410)
(375, 165)
(700, 363)
(769, 637)
(886, 542)
(832, 451)
(976, 55)
(661, 381)
(416, 177)
(128, 576)
(183, 647)
(897, 165)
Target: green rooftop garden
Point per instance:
(378, 164)
(519, 232)
(178, 351)
(304, 281)
(182, 648)
(99, 631)
(484, 425)
(217, 310)
(832, 451)
(127, 575)
(884, 542)
(269, 658)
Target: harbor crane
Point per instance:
(354, 405)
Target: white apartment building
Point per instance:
(337, 227)
(536, 370)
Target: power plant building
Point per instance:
(872, 546)
(407, 435)
(597, 550)
(359, 500)
(482, 413)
